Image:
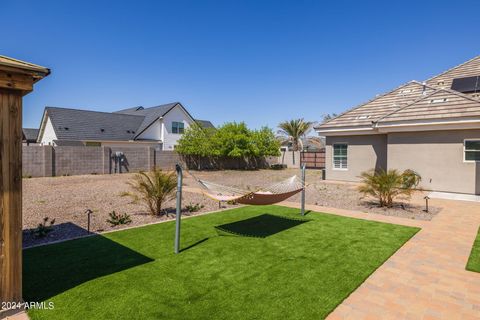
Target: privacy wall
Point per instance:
(48, 161)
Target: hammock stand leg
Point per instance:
(303, 190)
(179, 208)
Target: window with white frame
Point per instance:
(340, 155)
(177, 127)
(472, 150)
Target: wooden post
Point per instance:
(16, 80)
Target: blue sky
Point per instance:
(255, 61)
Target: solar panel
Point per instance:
(467, 84)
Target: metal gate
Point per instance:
(313, 159)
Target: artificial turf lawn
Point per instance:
(302, 272)
(473, 263)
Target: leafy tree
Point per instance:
(233, 140)
(197, 141)
(153, 188)
(387, 185)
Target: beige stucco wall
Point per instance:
(438, 157)
(364, 153)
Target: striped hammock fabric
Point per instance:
(274, 193)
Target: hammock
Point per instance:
(274, 193)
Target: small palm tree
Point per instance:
(153, 188)
(387, 185)
(293, 131)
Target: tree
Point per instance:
(153, 188)
(231, 140)
(293, 131)
(328, 116)
(387, 185)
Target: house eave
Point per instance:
(345, 131)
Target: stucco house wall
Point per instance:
(49, 134)
(365, 152)
(438, 156)
(170, 139)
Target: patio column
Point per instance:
(16, 80)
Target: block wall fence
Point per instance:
(48, 161)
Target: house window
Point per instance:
(472, 150)
(177, 127)
(340, 152)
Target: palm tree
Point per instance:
(293, 131)
(153, 189)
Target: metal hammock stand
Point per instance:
(272, 194)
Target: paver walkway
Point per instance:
(426, 278)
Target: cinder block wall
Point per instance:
(136, 158)
(166, 160)
(33, 161)
(77, 160)
(47, 161)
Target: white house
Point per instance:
(159, 126)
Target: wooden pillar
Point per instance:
(11, 192)
(16, 80)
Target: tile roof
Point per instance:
(30, 134)
(205, 123)
(440, 104)
(150, 114)
(122, 125)
(414, 101)
(73, 124)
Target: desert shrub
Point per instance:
(118, 219)
(387, 185)
(194, 207)
(153, 189)
(43, 228)
(278, 166)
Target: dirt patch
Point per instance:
(65, 199)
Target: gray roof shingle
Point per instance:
(73, 124)
(204, 123)
(149, 114)
(30, 134)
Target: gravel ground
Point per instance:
(319, 192)
(66, 198)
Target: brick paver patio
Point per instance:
(426, 278)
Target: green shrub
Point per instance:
(194, 207)
(43, 228)
(234, 140)
(118, 219)
(387, 185)
(153, 189)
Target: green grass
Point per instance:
(473, 263)
(297, 271)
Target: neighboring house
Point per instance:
(159, 126)
(431, 127)
(29, 136)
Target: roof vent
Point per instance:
(438, 100)
(128, 131)
(102, 130)
(363, 117)
(66, 128)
